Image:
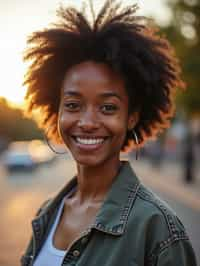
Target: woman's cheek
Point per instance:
(116, 123)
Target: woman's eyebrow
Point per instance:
(103, 95)
(110, 94)
(71, 93)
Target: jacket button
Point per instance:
(76, 253)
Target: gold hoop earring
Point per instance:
(48, 143)
(137, 142)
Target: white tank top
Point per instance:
(49, 255)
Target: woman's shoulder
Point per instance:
(42, 208)
(157, 213)
(159, 227)
(155, 219)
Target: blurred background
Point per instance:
(30, 172)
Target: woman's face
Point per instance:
(93, 113)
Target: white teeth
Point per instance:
(89, 141)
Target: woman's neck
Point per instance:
(94, 182)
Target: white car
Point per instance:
(18, 160)
(18, 156)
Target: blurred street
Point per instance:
(23, 192)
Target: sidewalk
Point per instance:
(168, 179)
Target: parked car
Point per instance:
(18, 156)
(26, 155)
(14, 160)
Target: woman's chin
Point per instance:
(89, 161)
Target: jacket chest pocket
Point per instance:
(26, 260)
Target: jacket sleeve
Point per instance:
(178, 253)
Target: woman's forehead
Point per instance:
(96, 78)
(92, 72)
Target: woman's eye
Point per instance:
(109, 108)
(72, 106)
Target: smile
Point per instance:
(88, 143)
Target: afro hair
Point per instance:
(117, 37)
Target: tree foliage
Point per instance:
(14, 126)
(184, 34)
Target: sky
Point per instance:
(18, 18)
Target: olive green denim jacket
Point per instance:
(132, 228)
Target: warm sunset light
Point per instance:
(20, 18)
(12, 68)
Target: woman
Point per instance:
(101, 89)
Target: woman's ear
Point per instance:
(133, 120)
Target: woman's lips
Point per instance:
(89, 146)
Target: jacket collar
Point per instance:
(113, 214)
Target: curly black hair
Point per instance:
(116, 37)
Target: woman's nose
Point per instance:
(88, 120)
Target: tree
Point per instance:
(184, 34)
(14, 126)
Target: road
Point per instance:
(21, 193)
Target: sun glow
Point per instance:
(17, 20)
(12, 71)
(12, 68)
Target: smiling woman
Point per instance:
(104, 87)
(94, 97)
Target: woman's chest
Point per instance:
(72, 224)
